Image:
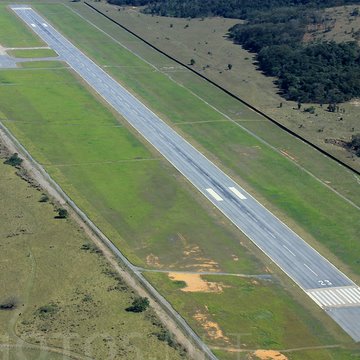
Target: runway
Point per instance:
(323, 282)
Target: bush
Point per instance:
(9, 304)
(62, 214)
(47, 310)
(44, 198)
(140, 304)
(13, 160)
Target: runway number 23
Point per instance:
(325, 282)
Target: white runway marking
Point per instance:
(45, 25)
(33, 25)
(237, 193)
(215, 195)
(289, 250)
(311, 269)
(21, 8)
(336, 296)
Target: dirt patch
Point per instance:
(199, 262)
(212, 328)
(269, 355)
(195, 283)
(153, 260)
(355, 102)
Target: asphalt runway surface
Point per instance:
(323, 282)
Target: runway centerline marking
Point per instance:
(238, 193)
(307, 266)
(289, 250)
(214, 194)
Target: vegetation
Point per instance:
(354, 144)
(14, 160)
(9, 304)
(33, 53)
(320, 73)
(62, 213)
(39, 305)
(44, 198)
(139, 304)
(254, 313)
(226, 8)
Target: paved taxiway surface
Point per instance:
(323, 282)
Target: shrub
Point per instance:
(9, 304)
(62, 214)
(13, 160)
(44, 198)
(140, 304)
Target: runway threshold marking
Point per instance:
(308, 267)
(336, 296)
(237, 193)
(214, 194)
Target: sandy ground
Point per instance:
(195, 283)
(269, 355)
(212, 328)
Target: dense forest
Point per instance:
(239, 9)
(321, 72)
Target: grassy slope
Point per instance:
(42, 263)
(250, 320)
(330, 220)
(34, 53)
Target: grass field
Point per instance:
(33, 53)
(129, 191)
(205, 41)
(286, 188)
(42, 266)
(249, 321)
(47, 64)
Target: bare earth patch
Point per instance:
(212, 328)
(269, 355)
(195, 283)
(198, 261)
(153, 260)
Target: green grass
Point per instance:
(133, 195)
(32, 53)
(42, 64)
(278, 181)
(41, 264)
(14, 32)
(252, 315)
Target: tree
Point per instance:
(140, 304)
(13, 160)
(62, 214)
(192, 62)
(230, 66)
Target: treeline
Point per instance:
(321, 72)
(239, 9)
